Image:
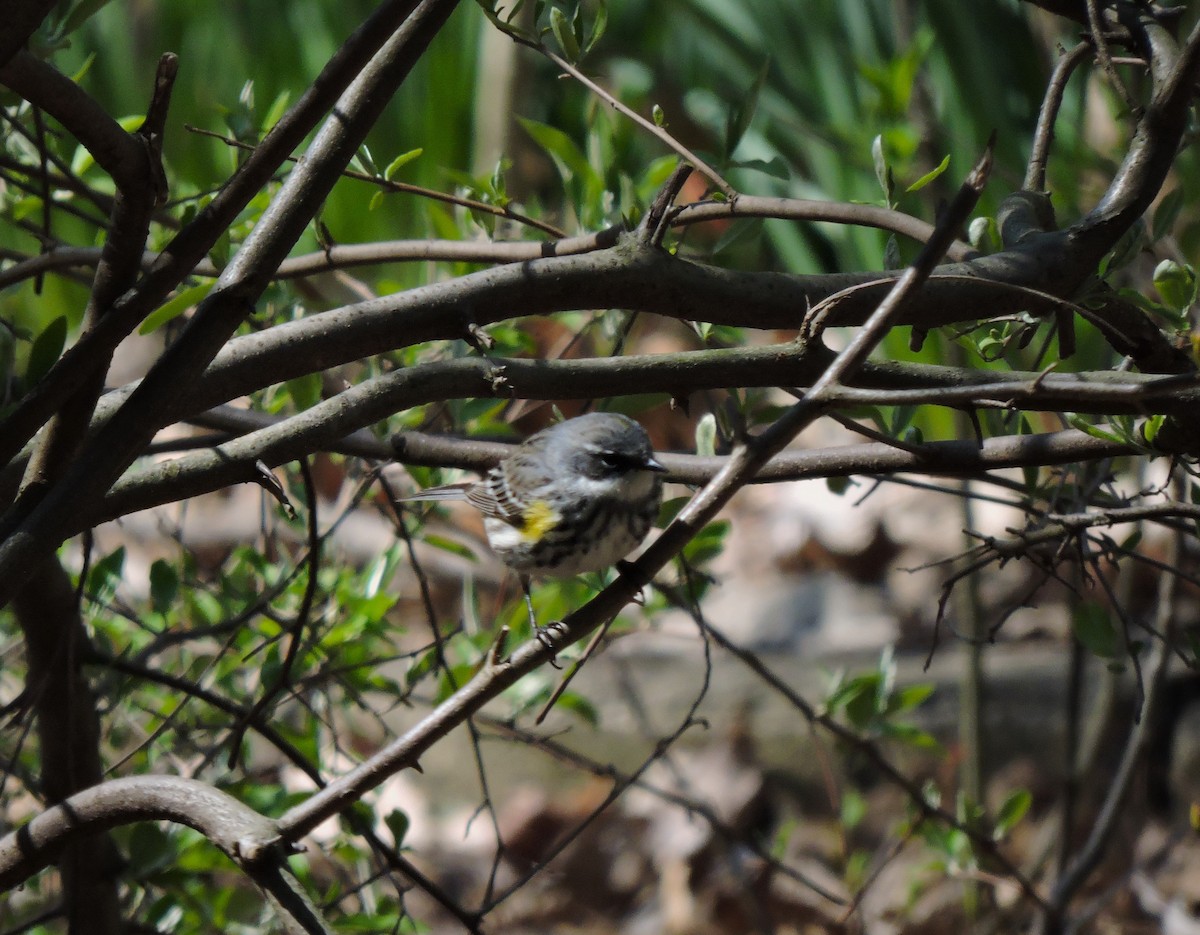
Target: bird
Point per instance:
(575, 497)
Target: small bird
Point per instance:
(575, 497)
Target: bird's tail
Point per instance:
(445, 492)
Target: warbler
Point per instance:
(575, 497)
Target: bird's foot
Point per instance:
(546, 636)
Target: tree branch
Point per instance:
(158, 398)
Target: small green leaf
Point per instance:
(47, 348)
(80, 13)
(929, 176)
(838, 485)
(400, 161)
(449, 545)
(1012, 811)
(861, 706)
(106, 574)
(909, 734)
(1078, 422)
(706, 435)
(891, 254)
(774, 167)
(277, 109)
(1176, 284)
(1093, 627)
(707, 543)
(149, 848)
(26, 207)
(175, 307)
(564, 34)
(421, 667)
(365, 161)
(599, 27)
(581, 707)
(397, 823)
(910, 697)
(660, 117)
(164, 585)
(883, 172)
(305, 391)
(853, 809)
(984, 235)
(570, 161)
(742, 114)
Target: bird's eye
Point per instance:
(615, 462)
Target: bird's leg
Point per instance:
(524, 579)
(542, 634)
(623, 567)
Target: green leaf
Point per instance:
(929, 176)
(1151, 427)
(880, 163)
(400, 161)
(861, 706)
(305, 391)
(175, 307)
(908, 734)
(164, 585)
(1093, 627)
(706, 435)
(883, 171)
(599, 27)
(449, 545)
(853, 809)
(365, 161)
(743, 113)
(984, 234)
(26, 207)
(397, 823)
(1176, 284)
(774, 167)
(659, 115)
(706, 544)
(277, 109)
(47, 348)
(150, 848)
(561, 148)
(909, 697)
(106, 574)
(1079, 422)
(80, 13)
(580, 706)
(564, 34)
(838, 485)
(1012, 811)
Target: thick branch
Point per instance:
(192, 243)
(21, 20)
(236, 829)
(115, 151)
(69, 731)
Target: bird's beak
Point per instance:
(652, 465)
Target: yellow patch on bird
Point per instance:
(538, 519)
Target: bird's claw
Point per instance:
(546, 636)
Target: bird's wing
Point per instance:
(493, 496)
